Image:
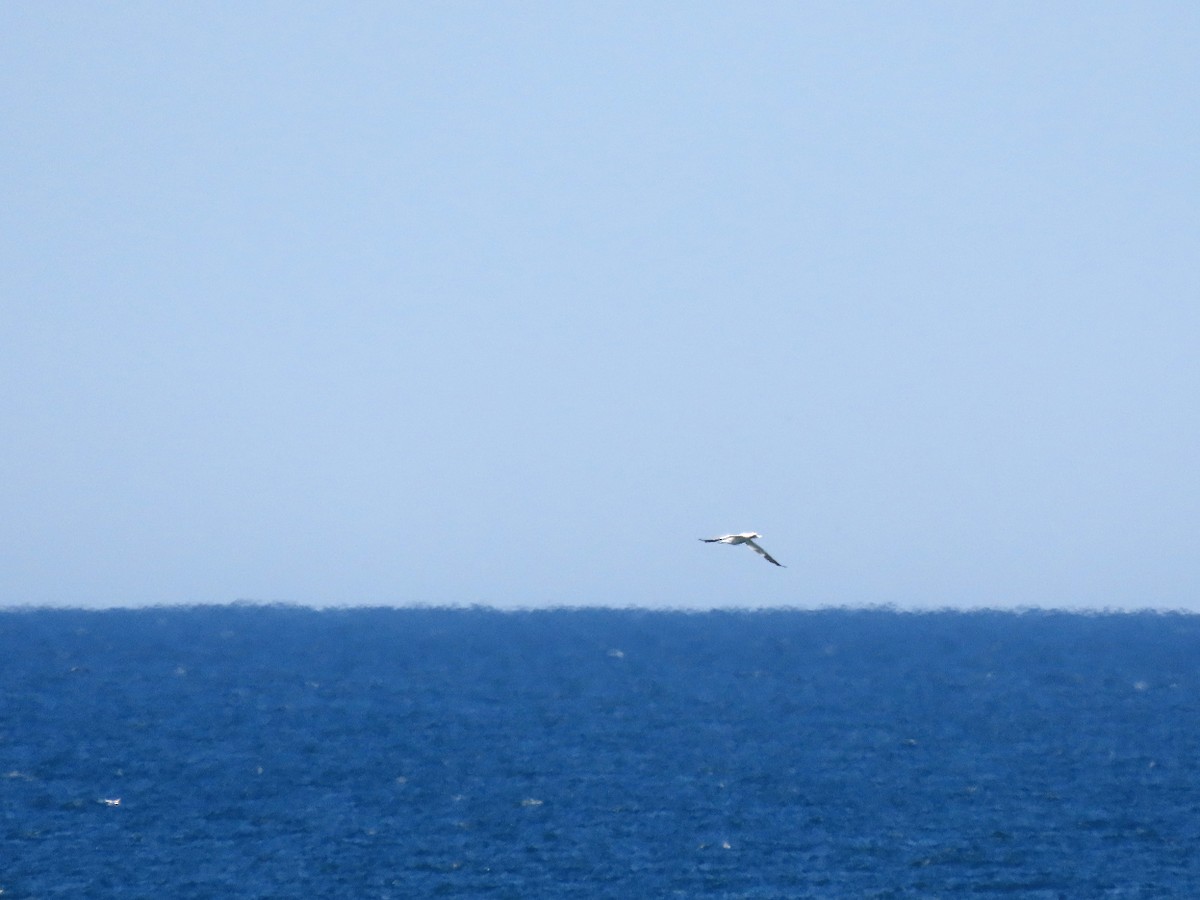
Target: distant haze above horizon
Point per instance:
(509, 304)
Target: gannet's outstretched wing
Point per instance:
(764, 554)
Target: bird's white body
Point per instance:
(746, 537)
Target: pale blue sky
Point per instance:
(509, 303)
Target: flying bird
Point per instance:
(746, 537)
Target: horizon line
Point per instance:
(898, 609)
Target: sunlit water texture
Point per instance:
(270, 752)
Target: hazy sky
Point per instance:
(509, 303)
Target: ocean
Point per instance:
(275, 752)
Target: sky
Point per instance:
(510, 303)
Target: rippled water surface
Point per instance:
(280, 752)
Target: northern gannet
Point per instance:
(746, 537)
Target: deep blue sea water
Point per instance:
(285, 752)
